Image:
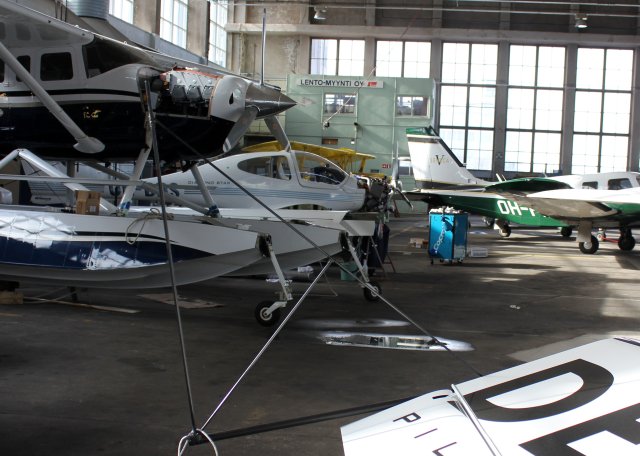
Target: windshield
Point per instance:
(314, 168)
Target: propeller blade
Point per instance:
(239, 129)
(278, 132)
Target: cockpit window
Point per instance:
(317, 169)
(275, 167)
(590, 185)
(619, 184)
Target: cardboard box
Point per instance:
(419, 243)
(87, 203)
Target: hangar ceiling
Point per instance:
(618, 17)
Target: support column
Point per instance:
(566, 151)
(500, 119)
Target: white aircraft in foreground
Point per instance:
(591, 201)
(583, 401)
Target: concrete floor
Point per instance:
(81, 380)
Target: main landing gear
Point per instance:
(626, 241)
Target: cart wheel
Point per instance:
(263, 317)
(368, 294)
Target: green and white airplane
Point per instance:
(588, 202)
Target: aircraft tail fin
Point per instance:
(434, 163)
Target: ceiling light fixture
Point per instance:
(320, 13)
(581, 21)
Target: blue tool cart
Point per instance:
(448, 235)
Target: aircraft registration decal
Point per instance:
(584, 401)
(508, 207)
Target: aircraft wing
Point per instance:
(584, 204)
(36, 27)
(583, 401)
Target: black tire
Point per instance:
(626, 243)
(566, 231)
(589, 248)
(368, 294)
(505, 231)
(263, 318)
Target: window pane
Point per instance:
(546, 152)
(351, 58)
(585, 154)
(484, 63)
(588, 111)
(455, 139)
(339, 103)
(324, 56)
(614, 153)
(619, 69)
(617, 112)
(453, 106)
(412, 106)
(481, 106)
(56, 67)
(590, 67)
(522, 65)
(517, 154)
(389, 58)
(551, 66)
(549, 110)
(417, 59)
(455, 62)
(520, 108)
(479, 149)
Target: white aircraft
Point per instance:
(435, 166)
(110, 91)
(589, 201)
(583, 401)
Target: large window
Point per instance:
(337, 57)
(173, 21)
(467, 101)
(122, 9)
(534, 109)
(340, 103)
(412, 106)
(408, 59)
(602, 110)
(218, 13)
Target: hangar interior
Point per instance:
(514, 88)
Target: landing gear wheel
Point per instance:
(626, 243)
(488, 222)
(589, 247)
(505, 231)
(263, 317)
(566, 231)
(368, 294)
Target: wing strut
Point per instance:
(85, 143)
